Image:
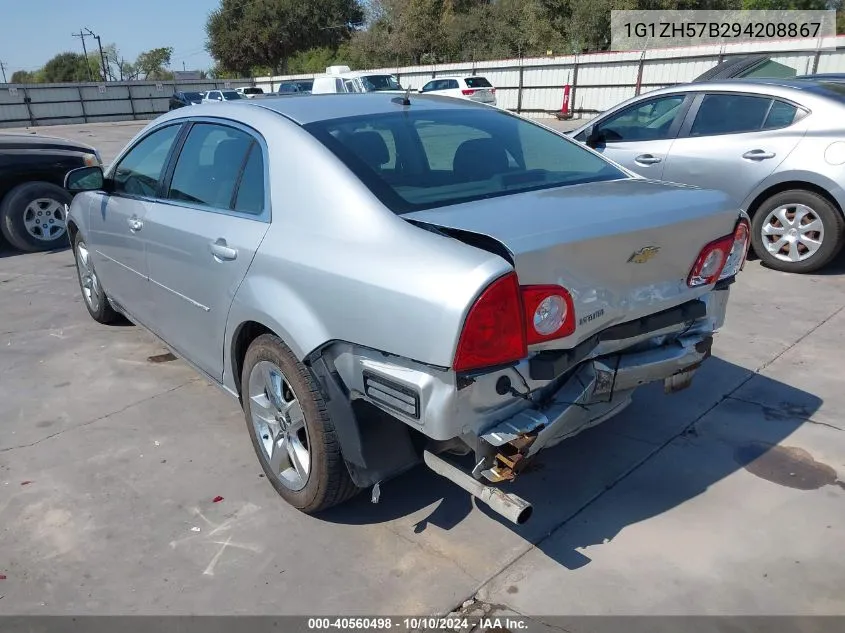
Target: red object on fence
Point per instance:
(567, 94)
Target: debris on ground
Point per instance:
(217, 499)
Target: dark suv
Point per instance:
(182, 99)
(32, 194)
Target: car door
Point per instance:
(116, 220)
(732, 141)
(202, 238)
(639, 136)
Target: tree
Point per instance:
(152, 63)
(66, 67)
(247, 33)
(23, 77)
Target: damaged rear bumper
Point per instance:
(596, 390)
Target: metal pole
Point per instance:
(102, 56)
(81, 36)
(3, 69)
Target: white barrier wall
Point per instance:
(601, 80)
(55, 104)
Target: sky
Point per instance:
(33, 31)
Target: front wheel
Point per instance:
(32, 217)
(797, 231)
(93, 292)
(291, 430)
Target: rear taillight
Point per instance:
(720, 258)
(507, 318)
(736, 259)
(492, 90)
(468, 92)
(549, 313)
(494, 332)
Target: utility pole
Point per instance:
(3, 69)
(102, 57)
(81, 36)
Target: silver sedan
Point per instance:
(776, 146)
(383, 280)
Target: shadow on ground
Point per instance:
(567, 478)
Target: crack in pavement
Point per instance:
(647, 458)
(785, 415)
(99, 419)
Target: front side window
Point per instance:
(139, 172)
(431, 85)
(730, 114)
(649, 121)
(425, 159)
(209, 165)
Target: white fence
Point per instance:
(55, 104)
(601, 80)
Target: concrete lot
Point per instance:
(726, 498)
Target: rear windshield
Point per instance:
(192, 96)
(231, 94)
(477, 82)
(253, 91)
(421, 160)
(374, 83)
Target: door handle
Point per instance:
(222, 252)
(758, 154)
(135, 224)
(647, 159)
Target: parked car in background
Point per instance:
(777, 146)
(382, 282)
(182, 99)
(470, 87)
(297, 86)
(250, 92)
(221, 95)
(340, 79)
(32, 198)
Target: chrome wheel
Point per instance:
(87, 277)
(44, 219)
(792, 232)
(279, 425)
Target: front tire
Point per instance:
(33, 217)
(93, 293)
(291, 430)
(797, 231)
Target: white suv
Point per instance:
(470, 87)
(340, 79)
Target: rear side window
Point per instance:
(250, 196)
(445, 157)
(781, 114)
(477, 82)
(730, 114)
(209, 165)
(139, 172)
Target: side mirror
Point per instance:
(85, 179)
(593, 137)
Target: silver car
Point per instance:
(383, 280)
(776, 146)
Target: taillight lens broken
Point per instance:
(721, 258)
(494, 331)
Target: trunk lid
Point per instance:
(623, 249)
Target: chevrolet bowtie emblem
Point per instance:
(643, 255)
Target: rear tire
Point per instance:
(290, 428)
(797, 231)
(33, 217)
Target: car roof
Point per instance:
(312, 108)
(787, 88)
(457, 77)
